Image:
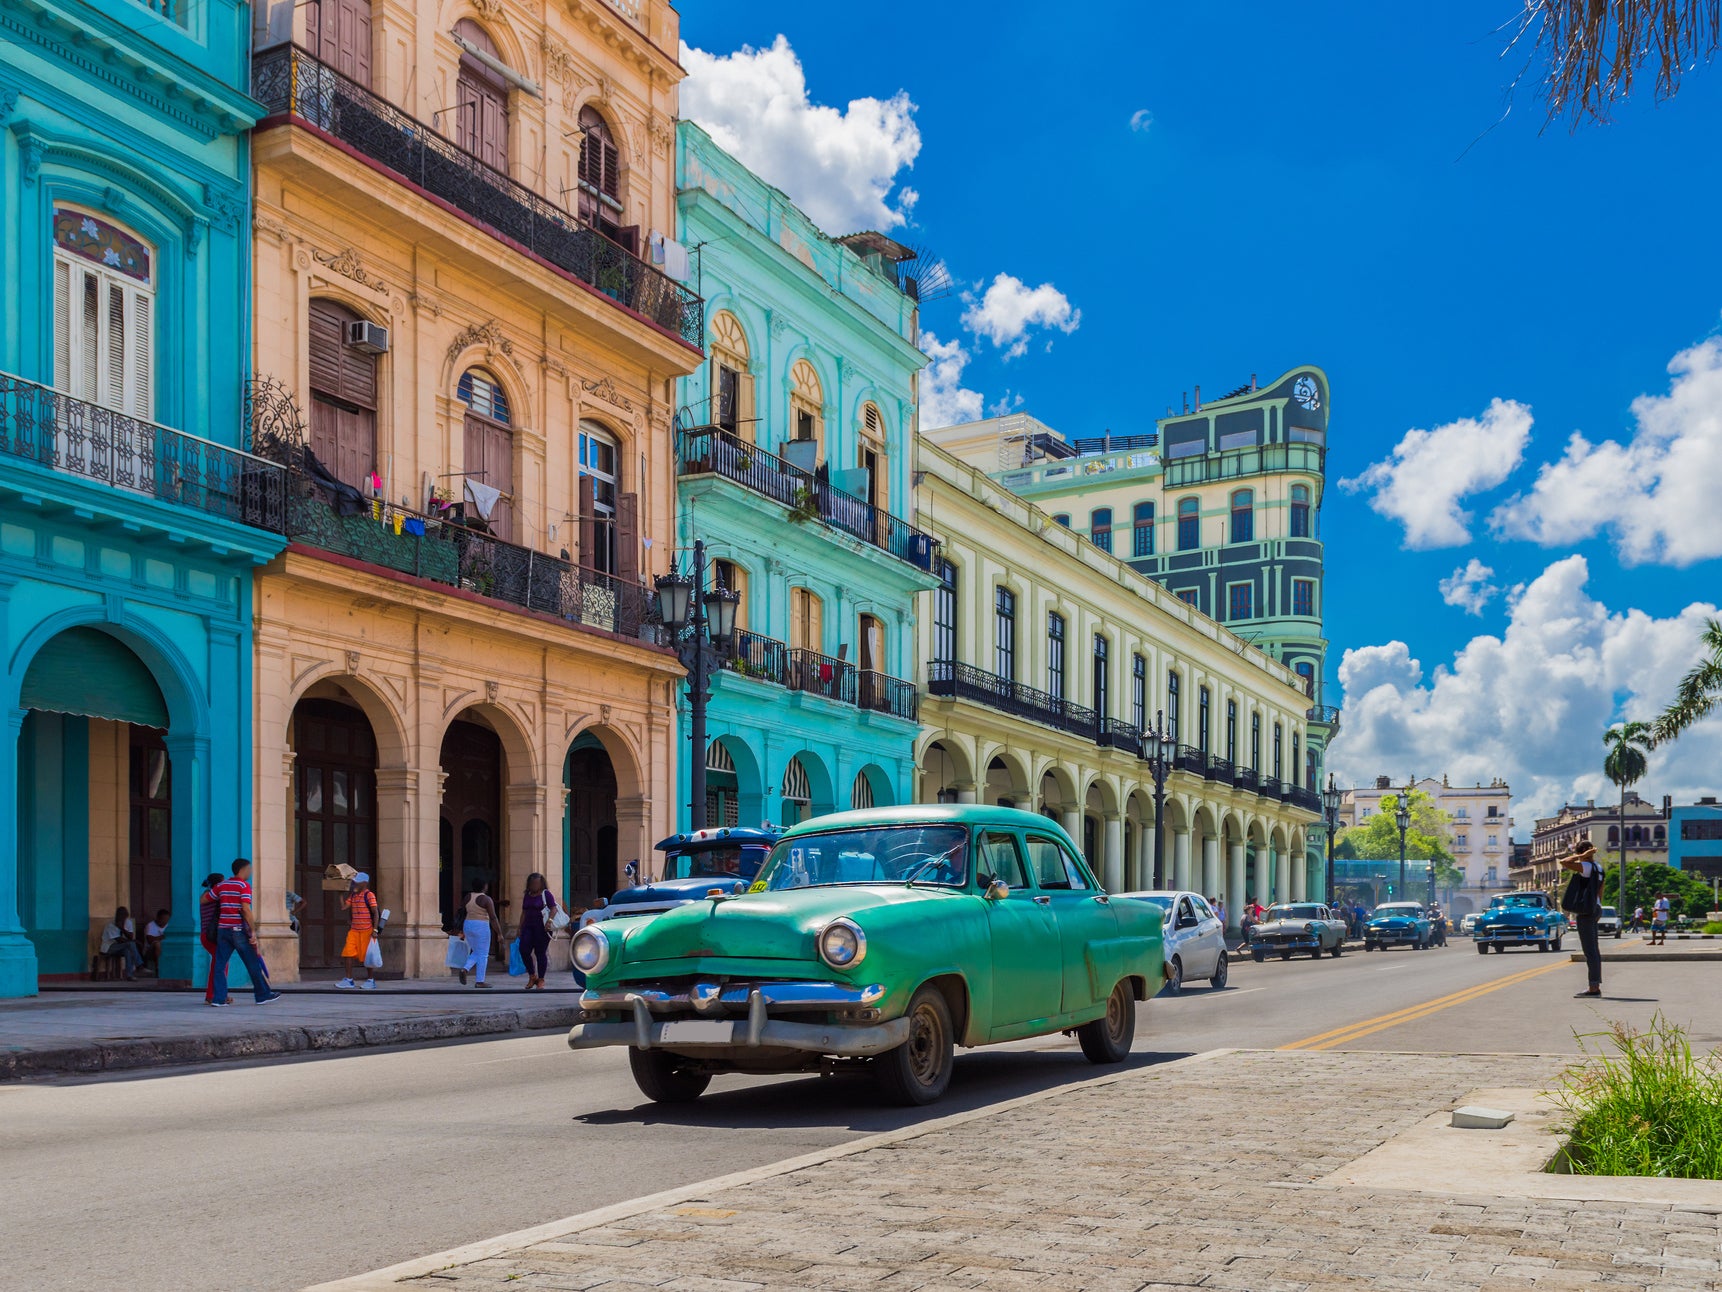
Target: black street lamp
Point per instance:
(702, 625)
(1431, 883)
(1330, 798)
(1402, 819)
(1159, 747)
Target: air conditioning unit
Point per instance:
(370, 337)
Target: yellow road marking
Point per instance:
(1369, 1026)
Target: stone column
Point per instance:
(182, 955)
(272, 871)
(634, 835)
(1112, 874)
(1282, 877)
(965, 791)
(1299, 867)
(17, 952)
(1071, 819)
(1180, 859)
(1210, 865)
(1264, 875)
(407, 875)
(1235, 886)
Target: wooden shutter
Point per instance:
(490, 460)
(815, 624)
(628, 537)
(588, 521)
(798, 598)
(62, 325)
(338, 32)
(343, 396)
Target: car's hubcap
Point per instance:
(1115, 1011)
(926, 1045)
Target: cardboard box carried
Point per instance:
(338, 877)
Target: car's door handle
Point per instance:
(1103, 899)
(1042, 900)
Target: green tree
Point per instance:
(1430, 838)
(1625, 764)
(1687, 893)
(1700, 690)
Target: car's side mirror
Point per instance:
(997, 891)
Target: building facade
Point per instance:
(1221, 504)
(1646, 836)
(1046, 659)
(793, 460)
(463, 218)
(1695, 838)
(1482, 831)
(130, 519)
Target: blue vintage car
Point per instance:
(1398, 924)
(1520, 920)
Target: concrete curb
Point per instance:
(132, 1055)
(384, 1279)
(1661, 957)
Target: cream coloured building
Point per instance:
(1045, 660)
(1482, 830)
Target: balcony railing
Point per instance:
(466, 559)
(287, 80)
(759, 657)
(770, 660)
(1301, 797)
(1270, 787)
(1232, 463)
(710, 450)
(1325, 713)
(1245, 778)
(1118, 734)
(138, 458)
(964, 682)
(1219, 769)
(1190, 759)
(818, 674)
(883, 693)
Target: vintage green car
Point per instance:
(885, 936)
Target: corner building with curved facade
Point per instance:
(470, 349)
(1047, 658)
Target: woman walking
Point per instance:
(480, 919)
(537, 908)
(1583, 901)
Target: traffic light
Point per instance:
(1390, 890)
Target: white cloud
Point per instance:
(1423, 481)
(1469, 588)
(1009, 308)
(1141, 119)
(838, 167)
(1008, 402)
(1531, 704)
(1654, 494)
(944, 399)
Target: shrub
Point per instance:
(1715, 926)
(1642, 1104)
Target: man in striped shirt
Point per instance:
(236, 934)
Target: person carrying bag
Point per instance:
(1583, 901)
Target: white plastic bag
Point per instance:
(457, 953)
(374, 955)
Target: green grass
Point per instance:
(1715, 926)
(1643, 1104)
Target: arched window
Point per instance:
(609, 516)
(600, 180)
(489, 451)
(806, 416)
(861, 793)
(481, 98)
(806, 621)
(1661, 836)
(104, 314)
(870, 457)
(343, 395)
(1306, 671)
(1243, 515)
(1062, 518)
(1300, 511)
(1142, 529)
(732, 384)
(1189, 524)
(1100, 528)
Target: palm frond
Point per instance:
(1592, 49)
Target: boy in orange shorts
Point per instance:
(361, 904)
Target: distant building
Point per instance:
(1555, 836)
(1482, 831)
(1695, 838)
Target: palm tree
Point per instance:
(1625, 764)
(1589, 50)
(1700, 691)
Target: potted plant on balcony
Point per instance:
(805, 507)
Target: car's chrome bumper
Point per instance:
(1513, 935)
(717, 1003)
(1390, 935)
(1310, 943)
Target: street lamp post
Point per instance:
(1402, 819)
(1159, 740)
(1431, 901)
(702, 625)
(1330, 798)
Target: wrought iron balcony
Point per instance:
(964, 682)
(883, 693)
(1269, 787)
(759, 657)
(710, 450)
(138, 458)
(1118, 734)
(1304, 798)
(1190, 759)
(290, 82)
(463, 558)
(770, 660)
(1245, 778)
(1325, 713)
(1230, 464)
(1219, 769)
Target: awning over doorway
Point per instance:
(87, 672)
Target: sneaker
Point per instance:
(485, 985)
(346, 984)
(218, 1004)
(463, 977)
(370, 984)
(271, 998)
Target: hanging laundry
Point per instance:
(483, 498)
(414, 526)
(397, 524)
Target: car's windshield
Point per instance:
(1399, 908)
(708, 863)
(1164, 903)
(1519, 899)
(925, 854)
(1299, 912)
(1609, 910)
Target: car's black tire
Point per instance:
(1108, 1038)
(1555, 945)
(1482, 948)
(1338, 950)
(1222, 971)
(1316, 954)
(1258, 956)
(1617, 933)
(1285, 955)
(1369, 946)
(1175, 977)
(918, 1071)
(660, 1078)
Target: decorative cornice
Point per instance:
(605, 391)
(422, 302)
(558, 62)
(488, 333)
(347, 263)
(663, 133)
(554, 366)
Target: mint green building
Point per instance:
(793, 462)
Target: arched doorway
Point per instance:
(334, 818)
(471, 827)
(590, 778)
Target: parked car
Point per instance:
(695, 863)
(887, 934)
(1468, 923)
(1520, 920)
(1397, 924)
(1608, 923)
(1195, 939)
(1294, 927)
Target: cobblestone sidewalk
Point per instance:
(1199, 1174)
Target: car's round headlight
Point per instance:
(591, 951)
(1309, 928)
(842, 945)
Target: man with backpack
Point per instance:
(361, 904)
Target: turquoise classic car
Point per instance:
(886, 936)
(1527, 919)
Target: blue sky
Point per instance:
(1301, 185)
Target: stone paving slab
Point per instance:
(1201, 1173)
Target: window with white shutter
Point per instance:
(104, 314)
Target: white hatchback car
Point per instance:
(1195, 938)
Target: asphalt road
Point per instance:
(290, 1173)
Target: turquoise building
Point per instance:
(793, 465)
(130, 517)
